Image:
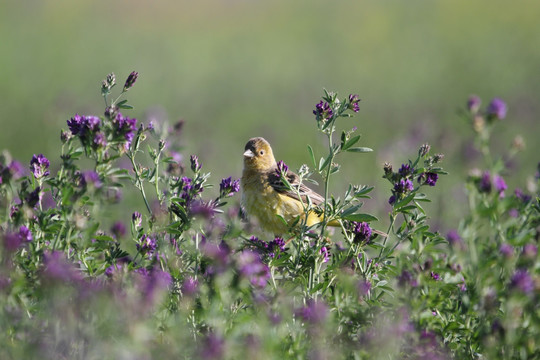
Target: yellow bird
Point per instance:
(265, 196)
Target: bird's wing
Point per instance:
(275, 181)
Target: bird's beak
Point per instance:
(249, 154)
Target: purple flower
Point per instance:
(125, 128)
(152, 284)
(281, 169)
(473, 104)
(276, 246)
(506, 250)
(130, 81)
(12, 241)
(75, 124)
(406, 278)
(147, 244)
(454, 239)
(405, 170)
(136, 219)
(251, 267)
(431, 178)
(403, 186)
(325, 254)
(109, 272)
(392, 200)
(16, 169)
(496, 109)
(213, 347)
(364, 287)
(206, 209)
(190, 286)
(25, 234)
(323, 111)
(353, 102)
(99, 140)
(529, 251)
(218, 256)
(522, 281)
(118, 229)
(33, 198)
(500, 185)
(229, 187)
(314, 312)
(522, 196)
(485, 182)
(362, 232)
(58, 267)
(39, 165)
(91, 178)
(435, 276)
(195, 166)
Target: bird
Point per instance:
(267, 198)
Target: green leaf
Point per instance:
(323, 163)
(360, 149)
(350, 143)
(360, 217)
(312, 156)
(350, 210)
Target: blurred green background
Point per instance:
(236, 69)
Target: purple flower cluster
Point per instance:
(353, 102)
(496, 109)
(195, 166)
(190, 286)
(406, 278)
(12, 240)
(153, 284)
(325, 252)
(188, 190)
(364, 287)
(39, 165)
(58, 267)
(323, 111)
(314, 312)
(428, 178)
(130, 81)
(147, 245)
(81, 125)
(91, 178)
(473, 104)
(252, 268)
(405, 170)
(136, 219)
(486, 183)
(271, 248)
(522, 281)
(118, 229)
(454, 239)
(14, 170)
(362, 232)
(229, 187)
(281, 169)
(124, 129)
(34, 197)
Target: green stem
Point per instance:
(392, 222)
(327, 177)
(139, 183)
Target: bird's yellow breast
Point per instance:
(267, 205)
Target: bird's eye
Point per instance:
(261, 152)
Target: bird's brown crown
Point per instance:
(258, 154)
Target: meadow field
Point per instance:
(124, 124)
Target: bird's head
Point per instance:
(258, 155)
